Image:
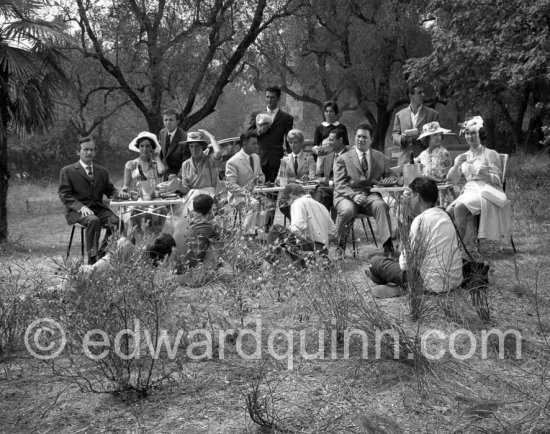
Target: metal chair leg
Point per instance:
(70, 242)
(353, 239)
(371, 231)
(82, 247)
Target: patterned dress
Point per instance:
(435, 163)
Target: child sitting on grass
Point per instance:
(201, 238)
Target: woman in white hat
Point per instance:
(482, 194)
(436, 160)
(147, 166)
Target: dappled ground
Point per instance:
(355, 395)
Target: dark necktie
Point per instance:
(251, 162)
(90, 172)
(296, 165)
(364, 164)
(167, 142)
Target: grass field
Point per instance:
(452, 394)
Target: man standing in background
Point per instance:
(412, 118)
(173, 152)
(272, 138)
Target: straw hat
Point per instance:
(145, 134)
(432, 128)
(196, 137)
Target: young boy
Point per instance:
(201, 235)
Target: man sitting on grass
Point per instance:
(431, 259)
(310, 230)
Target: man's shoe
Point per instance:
(372, 277)
(92, 260)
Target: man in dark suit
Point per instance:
(81, 189)
(173, 151)
(354, 174)
(272, 138)
(415, 116)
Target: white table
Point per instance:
(261, 189)
(150, 207)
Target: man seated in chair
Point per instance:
(242, 173)
(432, 254)
(326, 163)
(82, 186)
(295, 166)
(354, 174)
(310, 230)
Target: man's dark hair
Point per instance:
(203, 204)
(413, 86)
(291, 188)
(339, 133)
(331, 104)
(87, 139)
(161, 248)
(248, 134)
(275, 89)
(365, 126)
(169, 112)
(426, 188)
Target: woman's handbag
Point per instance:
(475, 280)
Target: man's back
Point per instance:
(434, 240)
(311, 219)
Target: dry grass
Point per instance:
(316, 396)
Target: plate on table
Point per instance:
(388, 183)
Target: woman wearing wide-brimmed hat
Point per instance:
(148, 163)
(436, 160)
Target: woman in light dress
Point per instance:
(482, 194)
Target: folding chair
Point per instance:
(82, 243)
(362, 217)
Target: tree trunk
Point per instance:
(4, 178)
(383, 122)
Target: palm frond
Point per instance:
(36, 31)
(17, 63)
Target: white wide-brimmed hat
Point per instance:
(432, 128)
(145, 134)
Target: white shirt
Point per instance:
(414, 116)
(85, 166)
(311, 220)
(273, 112)
(433, 237)
(360, 154)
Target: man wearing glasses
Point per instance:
(408, 125)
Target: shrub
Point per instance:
(101, 308)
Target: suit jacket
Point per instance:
(174, 156)
(349, 178)
(403, 122)
(272, 143)
(239, 174)
(77, 190)
(325, 165)
(306, 166)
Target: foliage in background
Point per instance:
(351, 51)
(490, 56)
(31, 79)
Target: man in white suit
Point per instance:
(415, 116)
(242, 173)
(355, 173)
